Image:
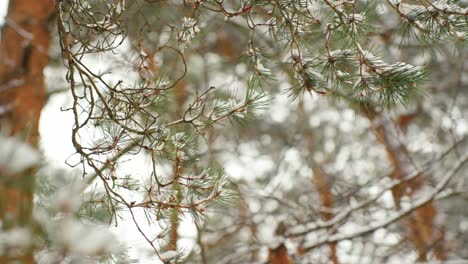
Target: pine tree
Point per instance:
(326, 103)
(328, 48)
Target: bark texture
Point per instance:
(23, 57)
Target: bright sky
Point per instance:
(3, 10)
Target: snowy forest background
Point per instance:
(233, 131)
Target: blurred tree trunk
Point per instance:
(321, 182)
(326, 198)
(180, 93)
(421, 222)
(23, 57)
(279, 255)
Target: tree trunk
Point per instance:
(421, 221)
(175, 214)
(326, 198)
(279, 255)
(23, 57)
(321, 182)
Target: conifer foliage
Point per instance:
(183, 85)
